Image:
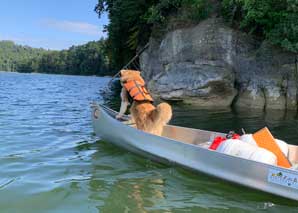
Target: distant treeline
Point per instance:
(11, 55)
(88, 59)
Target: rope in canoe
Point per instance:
(135, 66)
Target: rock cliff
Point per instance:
(213, 65)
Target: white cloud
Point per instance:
(74, 26)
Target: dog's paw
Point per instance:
(119, 116)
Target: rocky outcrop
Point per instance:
(211, 64)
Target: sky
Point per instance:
(50, 24)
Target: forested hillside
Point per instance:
(12, 55)
(133, 22)
(88, 59)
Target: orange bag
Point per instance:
(265, 140)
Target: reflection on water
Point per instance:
(50, 160)
(140, 185)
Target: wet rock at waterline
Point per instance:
(199, 83)
(211, 64)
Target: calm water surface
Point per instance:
(50, 160)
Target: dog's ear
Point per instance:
(137, 72)
(122, 72)
(127, 75)
(130, 72)
(123, 75)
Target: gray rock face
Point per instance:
(197, 83)
(213, 65)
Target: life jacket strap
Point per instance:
(138, 91)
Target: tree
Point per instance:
(131, 23)
(88, 59)
(274, 20)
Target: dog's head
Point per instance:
(130, 75)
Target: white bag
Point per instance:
(264, 156)
(245, 150)
(248, 138)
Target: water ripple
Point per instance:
(51, 160)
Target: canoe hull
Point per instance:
(238, 170)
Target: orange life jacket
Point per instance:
(137, 90)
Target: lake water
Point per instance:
(50, 160)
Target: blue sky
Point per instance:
(50, 24)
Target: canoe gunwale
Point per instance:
(195, 145)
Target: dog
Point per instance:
(146, 116)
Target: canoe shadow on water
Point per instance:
(145, 185)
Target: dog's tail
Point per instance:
(162, 114)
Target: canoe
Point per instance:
(187, 147)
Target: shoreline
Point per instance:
(31, 73)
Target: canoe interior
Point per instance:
(201, 137)
(188, 135)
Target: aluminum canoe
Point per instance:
(187, 147)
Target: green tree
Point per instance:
(274, 20)
(14, 57)
(131, 23)
(88, 59)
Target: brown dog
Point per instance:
(146, 116)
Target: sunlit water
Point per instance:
(50, 160)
